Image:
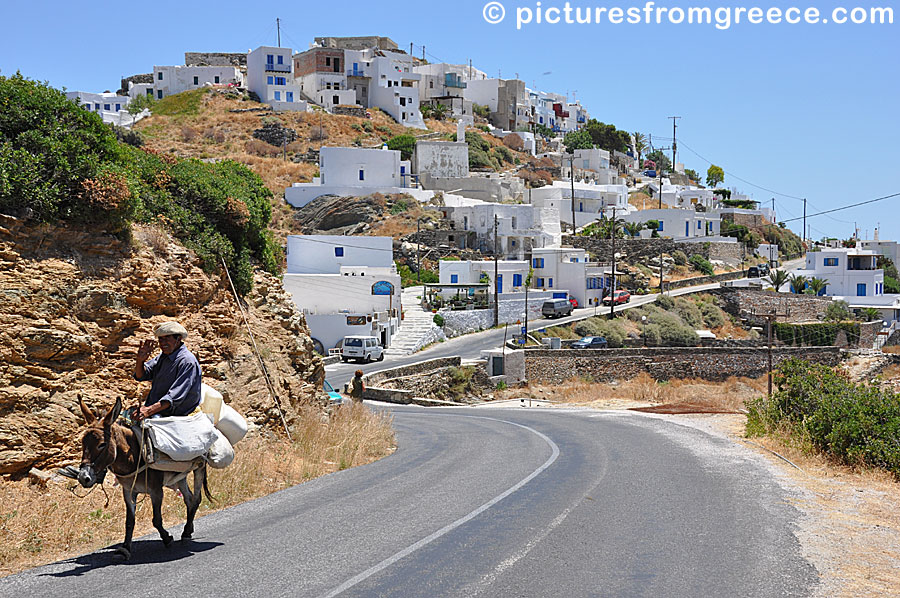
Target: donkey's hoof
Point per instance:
(185, 538)
(123, 552)
(167, 541)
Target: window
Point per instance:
(106, 107)
(362, 174)
(280, 59)
(540, 283)
(550, 284)
(159, 94)
(217, 79)
(328, 61)
(831, 261)
(537, 262)
(279, 80)
(97, 107)
(270, 58)
(454, 278)
(118, 107)
(196, 80)
(335, 100)
(517, 280)
(431, 85)
(277, 96)
(159, 76)
(698, 225)
(861, 289)
(270, 80)
(338, 252)
(660, 225)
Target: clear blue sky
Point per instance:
(803, 110)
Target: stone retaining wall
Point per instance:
(640, 250)
(698, 280)
(349, 111)
(744, 302)
(664, 363)
(459, 322)
(413, 369)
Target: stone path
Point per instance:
(417, 328)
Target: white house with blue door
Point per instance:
(849, 272)
(677, 223)
(353, 172)
(565, 269)
(511, 274)
(344, 286)
(111, 107)
(270, 75)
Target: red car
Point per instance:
(618, 298)
(573, 301)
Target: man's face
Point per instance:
(169, 343)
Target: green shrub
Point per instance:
(688, 311)
(680, 258)
(838, 311)
(664, 302)
(701, 264)
(712, 314)
(855, 423)
(675, 334)
(438, 319)
(356, 127)
(385, 129)
(367, 126)
(504, 153)
(179, 104)
(405, 144)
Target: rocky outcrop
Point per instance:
(334, 215)
(74, 305)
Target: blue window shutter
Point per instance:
(362, 174)
(270, 80)
(551, 283)
(861, 289)
(660, 225)
(269, 59)
(118, 107)
(338, 252)
(454, 278)
(106, 106)
(280, 59)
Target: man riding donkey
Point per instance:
(175, 378)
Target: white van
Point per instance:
(362, 348)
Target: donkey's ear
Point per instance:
(89, 417)
(113, 413)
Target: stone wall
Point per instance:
(744, 303)
(699, 280)
(215, 59)
(358, 111)
(748, 220)
(459, 322)
(413, 369)
(868, 332)
(643, 249)
(664, 363)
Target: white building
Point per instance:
(169, 80)
(677, 224)
(564, 268)
(592, 164)
(889, 249)
(394, 87)
(344, 286)
(353, 171)
(520, 227)
(848, 272)
(591, 201)
(445, 84)
(111, 107)
(270, 75)
(511, 274)
(441, 159)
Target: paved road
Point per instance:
(487, 502)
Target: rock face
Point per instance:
(333, 215)
(75, 304)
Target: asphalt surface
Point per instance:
(487, 502)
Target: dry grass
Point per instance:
(891, 349)
(43, 524)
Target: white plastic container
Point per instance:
(211, 402)
(231, 424)
(221, 454)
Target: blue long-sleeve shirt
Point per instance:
(176, 378)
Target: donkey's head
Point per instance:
(98, 449)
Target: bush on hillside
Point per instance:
(405, 144)
(701, 264)
(664, 302)
(855, 423)
(713, 315)
(611, 330)
(514, 142)
(688, 311)
(680, 258)
(60, 163)
(837, 311)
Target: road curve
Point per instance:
(496, 502)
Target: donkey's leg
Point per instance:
(156, 498)
(188, 496)
(130, 501)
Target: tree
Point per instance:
(692, 174)
(139, 104)
(439, 111)
(662, 162)
(798, 283)
(640, 145)
(870, 314)
(405, 144)
(653, 225)
(714, 175)
(778, 278)
(607, 136)
(633, 228)
(577, 140)
(816, 285)
(426, 110)
(837, 311)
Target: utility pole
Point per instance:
(660, 269)
(612, 290)
(803, 232)
(418, 245)
(496, 287)
(659, 172)
(674, 143)
(278, 28)
(770, 318)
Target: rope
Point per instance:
(259, 358)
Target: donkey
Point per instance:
(108, 445)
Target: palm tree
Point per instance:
(439, 112)
(798, 283)
(778, 278)
(633, 228)
(640, 145)
(816, 285)
(427, 110)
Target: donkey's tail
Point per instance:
(206, 485)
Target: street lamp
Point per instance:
(644, 329)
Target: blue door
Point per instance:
(687, 229)
(861, 289)
(499, 283)
(289, 96)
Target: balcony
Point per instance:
(278, 68)
(581, 119)
(356, 73)
(454, 80)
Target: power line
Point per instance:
(853, 205)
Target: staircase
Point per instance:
(417, 328)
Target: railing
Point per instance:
(356, 73)
(278, 68)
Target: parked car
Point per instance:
(650, 173)
(590, 342)
(758, 271)
(617, 298)
(556, 308)
(361, 348)
(334, 397)
(574, 302)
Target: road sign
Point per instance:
(524, 331)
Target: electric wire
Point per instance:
(853, 205)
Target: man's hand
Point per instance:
(146, 411)
(145, 349)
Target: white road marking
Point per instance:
(450, 527)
